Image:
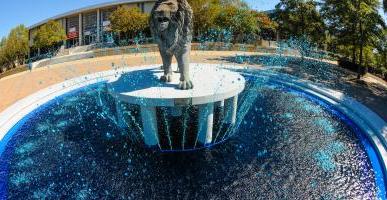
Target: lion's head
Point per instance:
(163, 14)
(172, 16)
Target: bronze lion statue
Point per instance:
(171, 26)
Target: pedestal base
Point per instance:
(206, 123)
(213, 87)
(149, 124)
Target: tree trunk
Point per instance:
(359, 68)
(360, 72)
(354, 53)
(385, 60)
(300, 12)
(354, 49)
(360, 42)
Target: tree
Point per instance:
(217, 18)
(14, 48)
(264, 22)
(3, 41)
(129, 21)
(381, 46)
(266, 25)
(16, 45)
(300, 18)
(2, 54)
(239, 21)
(235, 3)
(341, 24)
(49, 35)
(385, 5)
(205, 12)
(370, 27)
(355, 24)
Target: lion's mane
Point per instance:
(181, 25)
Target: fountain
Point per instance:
(199, 86)
(215, 89)
(219, 132)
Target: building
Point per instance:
(91, 24)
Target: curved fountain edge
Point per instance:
(374, 127)
(17, 111)
(371, 124)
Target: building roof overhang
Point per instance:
(88, 8)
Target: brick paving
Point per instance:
(21, 85)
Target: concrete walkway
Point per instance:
(18, 86)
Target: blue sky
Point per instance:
(29, 12)
(262, 5)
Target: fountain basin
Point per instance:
(295, 136)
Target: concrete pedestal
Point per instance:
(230, 111)
(119, 114)
(149, 121)
(213, 87)
(206, 123)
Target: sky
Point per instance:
(262, 5)
(29, 12)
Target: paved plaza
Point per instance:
(372, 93)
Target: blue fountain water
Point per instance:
(285, 145)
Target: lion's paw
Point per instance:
(166, 78)
(185, 85)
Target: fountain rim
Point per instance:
(371, 125)
(161, 94)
